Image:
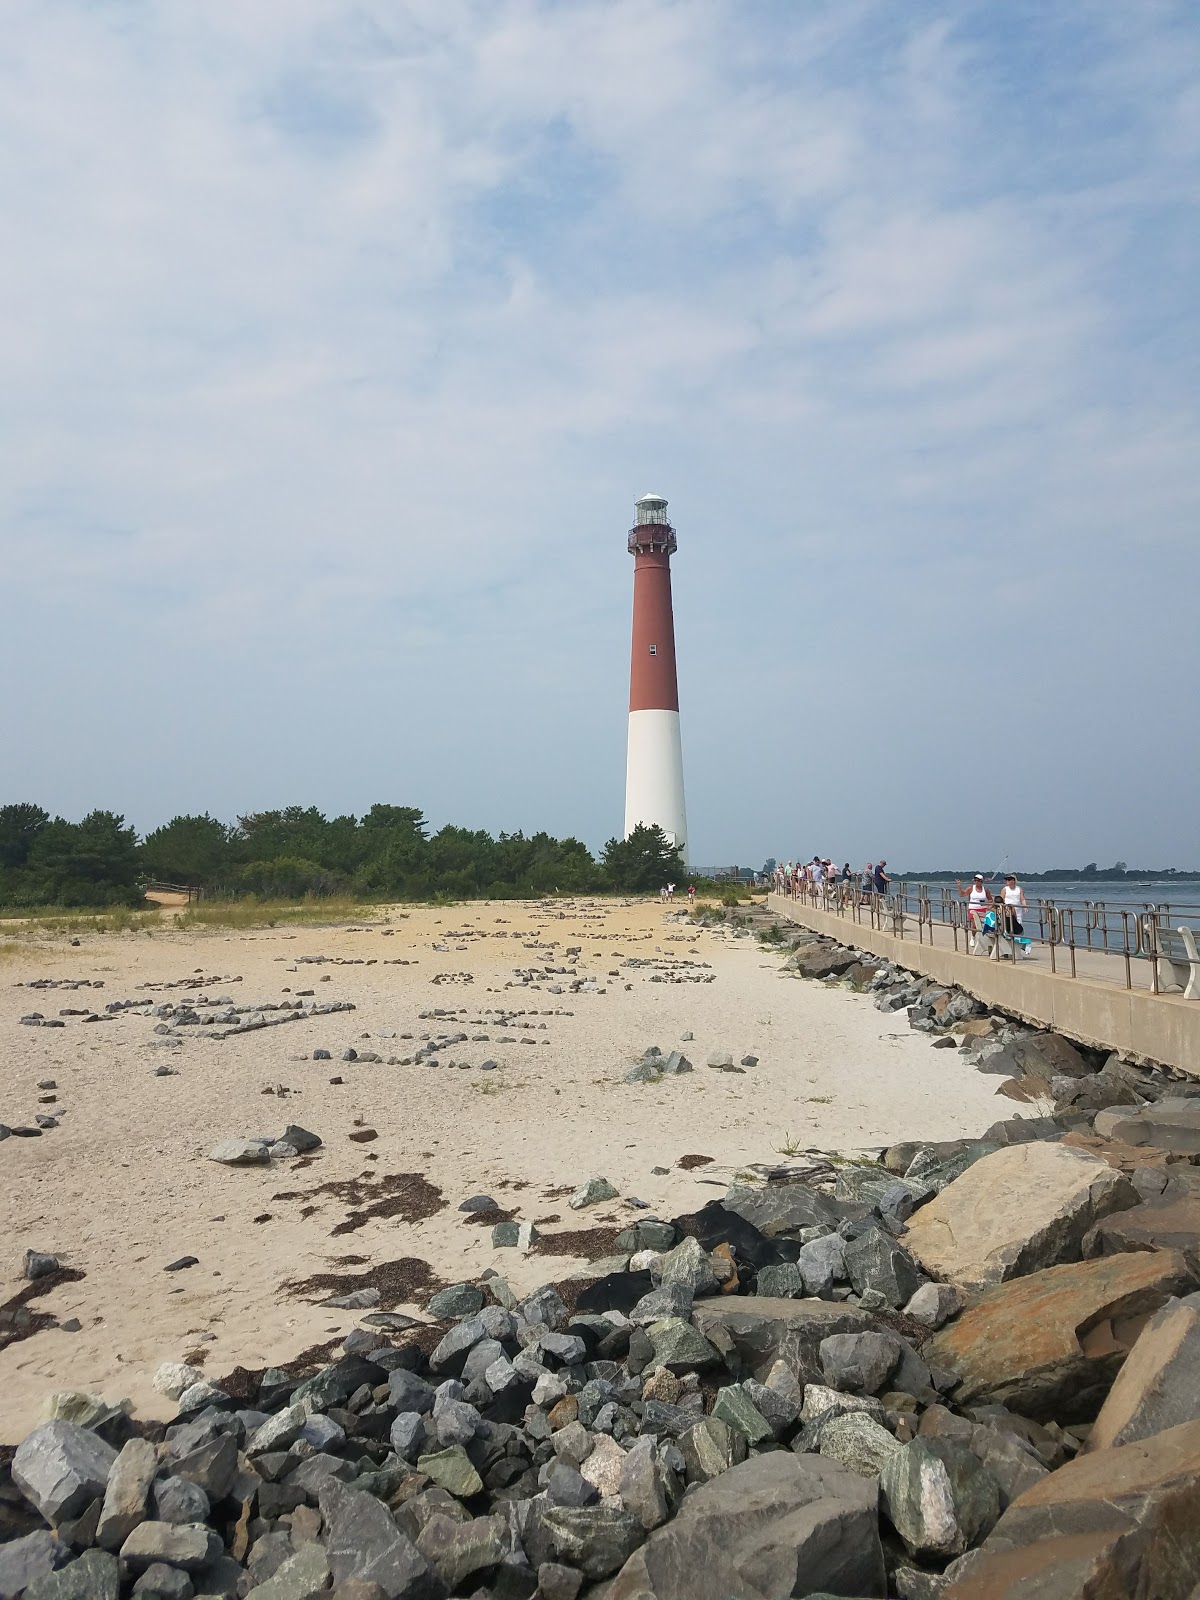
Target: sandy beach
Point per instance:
(123, 1186)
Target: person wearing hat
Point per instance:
(1014, 905)
(979, 901)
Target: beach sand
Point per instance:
(123, 1186)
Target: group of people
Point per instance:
(821, 876)
(988, 913)
(667, 892)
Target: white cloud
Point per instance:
(339, 336)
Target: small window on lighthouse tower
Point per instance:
(653, 649)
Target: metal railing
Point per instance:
(1062, 928)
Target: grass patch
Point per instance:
(254, 913)
(52, 920)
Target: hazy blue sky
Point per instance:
(339, 337)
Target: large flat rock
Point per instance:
(1171, 1124)
(1016, 1211)
(776, 1526)
(1118, 1523)
(1048, 1346)
(759, 1330)
(1159, 1385)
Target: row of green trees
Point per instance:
(388, 853)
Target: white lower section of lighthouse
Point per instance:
(654, 775)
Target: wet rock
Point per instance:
(1049, 1345)
(1159, 1385)
(60, 1467)
(776, 1525)
(939, 1497)
(363, 1542)
(1020, 1209)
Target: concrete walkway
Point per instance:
(1093, 1007)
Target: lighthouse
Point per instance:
(654, 765)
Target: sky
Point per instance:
(340, 336)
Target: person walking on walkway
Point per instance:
(882, 882)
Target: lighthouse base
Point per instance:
(654, 776)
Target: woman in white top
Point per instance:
(979, 901)
(1014, 905)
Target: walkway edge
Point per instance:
(1159, 1030)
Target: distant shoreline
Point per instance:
(1062, 875)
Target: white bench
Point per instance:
(1178, 962)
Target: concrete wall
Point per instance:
(1163, 1029)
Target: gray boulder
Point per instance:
(758, 1331)
(125, 1496)
(178, 1500)
(363, 1542)
(61, 1467)
(22, 1561)
(191, 1546)
(822, 1262)
(780, 1210)
(858, 1442)
(776, 1526)
(860, 1363)
(874, 1261)
(939, 1497)
(96, 1575)
(596, 1539)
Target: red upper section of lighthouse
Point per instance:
(653, 685)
